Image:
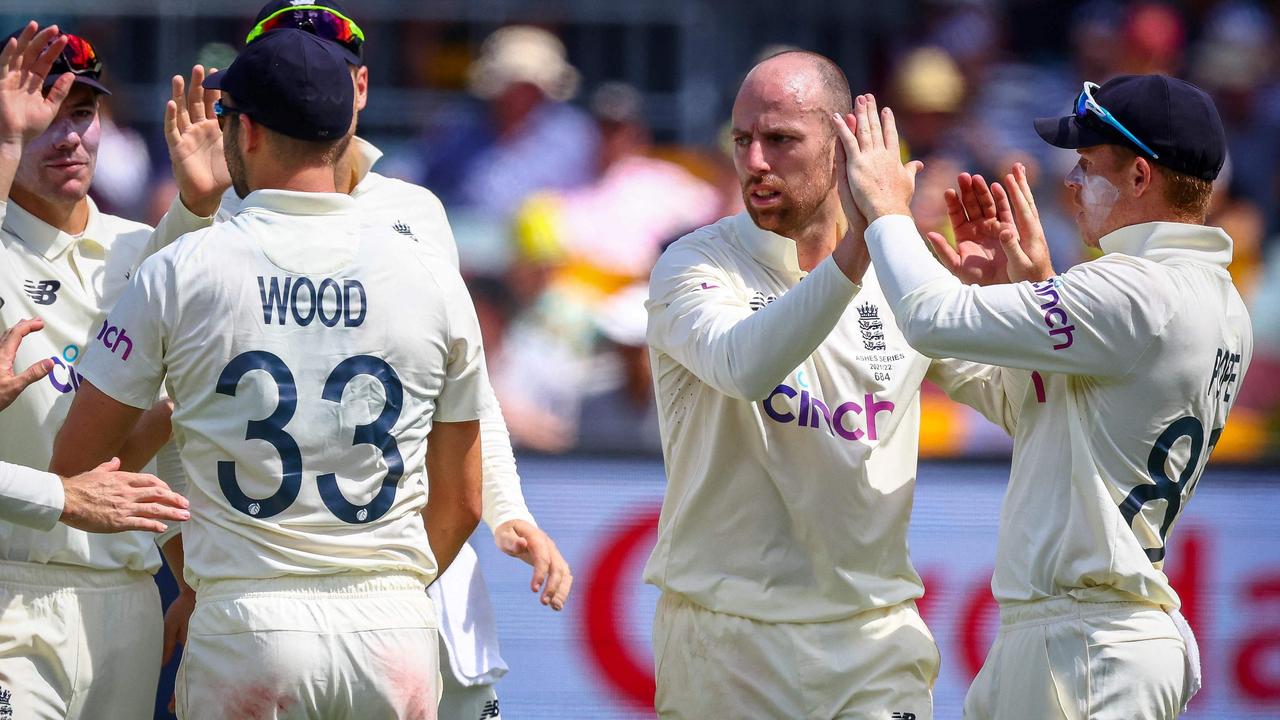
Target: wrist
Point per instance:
(202, 207)
(880, 211)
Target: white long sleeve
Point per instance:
(500, 486)
(29, 497)
(697, 318)
(1098, 319)
(176, 222)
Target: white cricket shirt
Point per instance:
(790, 419)
(1139, 356)
(416, 215)
(69, 282)
(307, 354)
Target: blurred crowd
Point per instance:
(560, 200)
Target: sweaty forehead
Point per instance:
(781, 91)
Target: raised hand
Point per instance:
(195, 144)
(12, 384)
(1024, 245)
(25, 110)
(978, 215)
(878, 182)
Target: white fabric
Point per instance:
(467, 625)
(1062, 659)
(878, 664)
(30, 498)
(69, 282)
(343, 647)
(790, 422)
(77, 643)
(1195, 676)
(304, 495)
(1140, 355)
(416, 214)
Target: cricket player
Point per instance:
(306, 416)
(72, 603)
(790, 418)
(468, 633)
(1135, 361)
(101, 500)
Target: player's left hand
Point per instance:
(12, 384)
(175, 622)
(879, 183)
(551, 575)
(176, 618)
(195, 144)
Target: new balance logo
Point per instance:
(903, 716)
(759, 301)
(44, 292)
(490, 710)
(404, 230)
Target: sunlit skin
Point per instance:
(784, 154)
(57, 167)
(1141, 197)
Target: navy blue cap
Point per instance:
(292, 82)
(1175, 118)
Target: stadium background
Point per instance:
(560, 208)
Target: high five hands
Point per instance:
(998, 234)
(195, 143)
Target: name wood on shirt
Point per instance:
(304, 301)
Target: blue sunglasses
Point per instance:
(1086, 105)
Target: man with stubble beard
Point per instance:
(789, 411)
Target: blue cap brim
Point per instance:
(214, 81)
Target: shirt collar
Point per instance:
(1158, 241)
(44, 238)
(291, 202)
(769, 248)
(365, 155)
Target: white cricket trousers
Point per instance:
(1064, 659)
(329, 647)
(78, 643)
(877, 664)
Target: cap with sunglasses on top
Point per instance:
(326, 20)
(1164, 119)
(78, 58)
(292, 82)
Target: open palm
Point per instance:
(25, 110)
(195, 144)
(977, 221)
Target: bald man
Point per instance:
(790, 421)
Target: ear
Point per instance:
(362, 87)
(1142, 176)
(251, 134)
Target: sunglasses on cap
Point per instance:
(78, 58)
(1086, 106)
(325, 23)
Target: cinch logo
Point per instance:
(64, 377)
(112, 337)
(1055, 318)
(813, 411)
